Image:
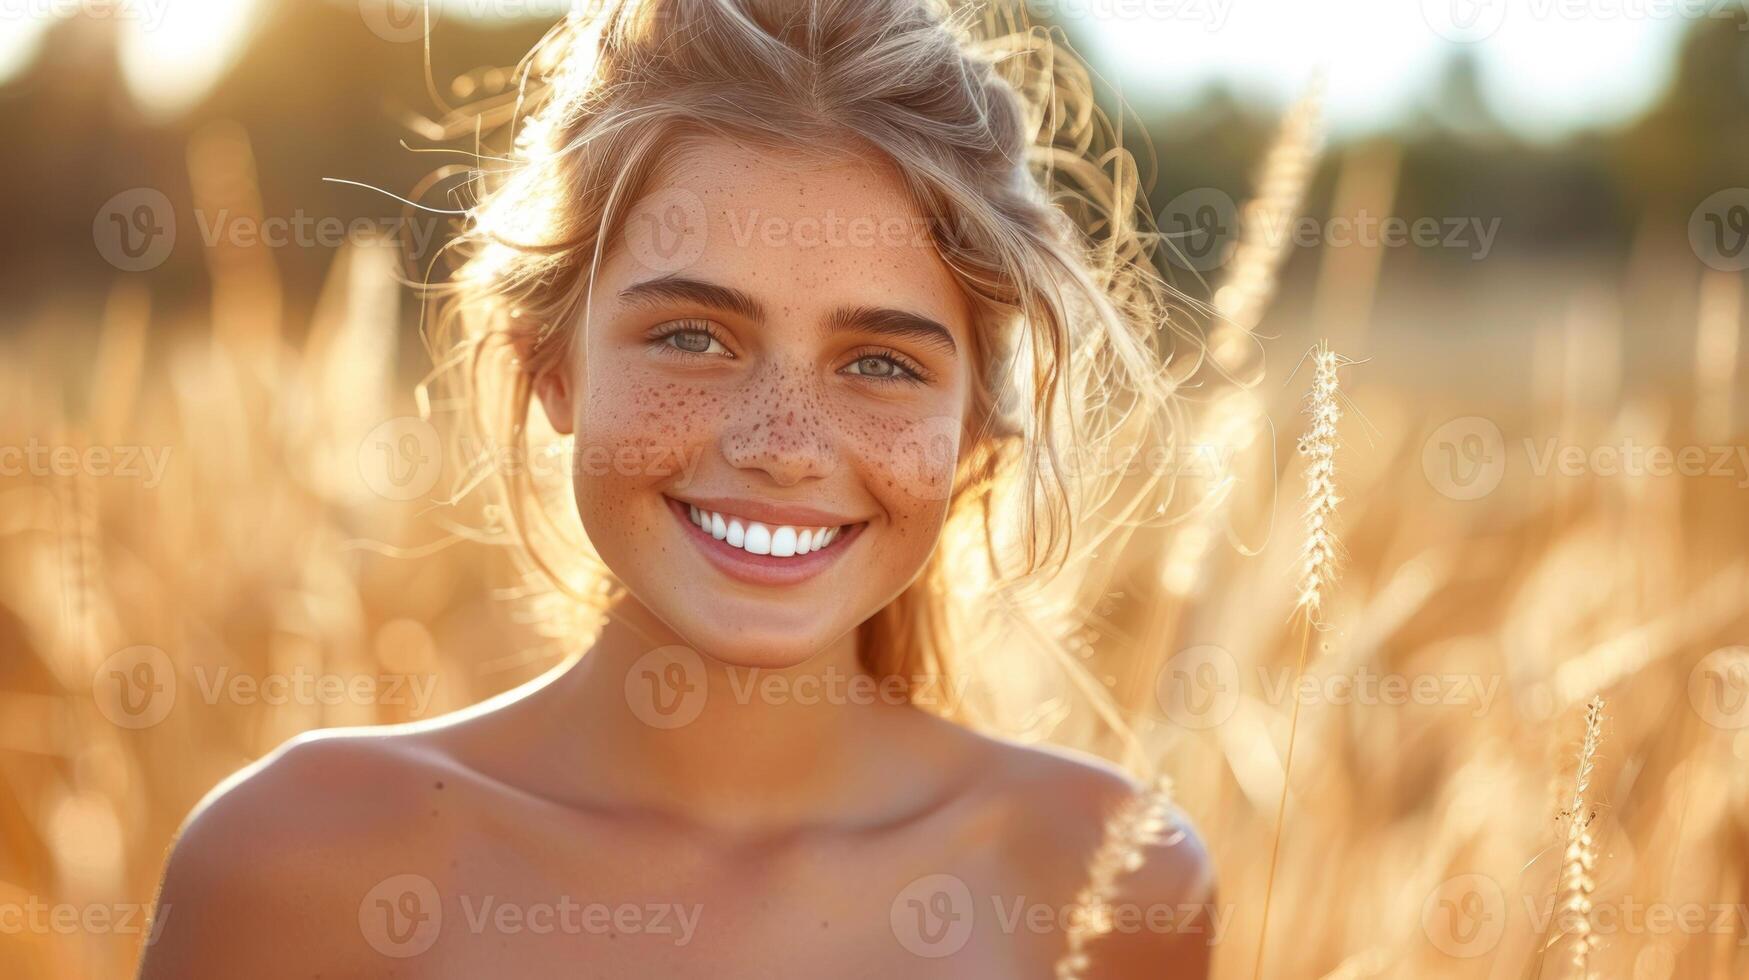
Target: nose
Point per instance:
(779, 426)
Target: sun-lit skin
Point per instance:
(794, 829)
(786, 411)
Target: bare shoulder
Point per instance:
(269, 871)
(1084, 830)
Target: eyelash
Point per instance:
(678, 327)
(914, 373)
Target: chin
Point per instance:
(760, 655)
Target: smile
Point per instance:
(763, 552)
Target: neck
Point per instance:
(670, 730)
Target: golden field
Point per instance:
(215, 509)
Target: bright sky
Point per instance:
(1549, 66)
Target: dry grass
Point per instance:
(1143, 821)
(262, 552)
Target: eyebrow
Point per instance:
(675, 288)
(871, 319)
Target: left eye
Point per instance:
(695, 342)
(876, 366)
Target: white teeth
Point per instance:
(783, 541)
(758, 539)
(780, 540)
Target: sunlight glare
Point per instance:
(172, 62)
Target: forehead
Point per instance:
(802, 232)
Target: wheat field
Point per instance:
(1520, 741)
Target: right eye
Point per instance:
(692, 337)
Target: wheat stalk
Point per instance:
(1581, 849)
(1130, 829)
(1266, 228)
(1319, 556)
(1322, 549)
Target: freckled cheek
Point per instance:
(909, 464)
(640, 428)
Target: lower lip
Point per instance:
(763, 569)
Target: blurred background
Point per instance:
(1526, 223)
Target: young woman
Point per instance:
(797, 287)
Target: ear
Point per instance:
(555, 390)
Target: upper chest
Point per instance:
(528, 891)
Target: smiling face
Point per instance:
(767, 400)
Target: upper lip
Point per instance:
(766, 512)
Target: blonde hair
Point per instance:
(992, 128)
